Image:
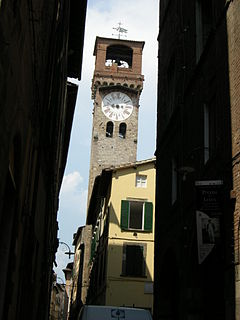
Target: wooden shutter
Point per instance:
(148, 216)
(135, 261)
(124, 214)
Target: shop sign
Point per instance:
(209, 199)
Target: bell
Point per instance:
(118, 62)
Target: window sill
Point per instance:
(126, 276)
(136, 230)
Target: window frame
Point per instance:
(204, 25)
(142, 185)
(206, 130)
(143, 247)
(142, 215)
(109, 125)
(122, 130)
(174, 184)
(147, 215)
(210, 129)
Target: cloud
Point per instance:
(71, 182)
(73, 196)
(72, 206)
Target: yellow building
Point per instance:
(121, 211)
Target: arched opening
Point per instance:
(109, 129)
(122, 130)
(119, 54)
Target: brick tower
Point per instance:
(116, 87)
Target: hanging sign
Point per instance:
(209, 209)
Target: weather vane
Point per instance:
(120, 30)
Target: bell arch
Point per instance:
(122, 55)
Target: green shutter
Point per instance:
(148, 216)
(124, 214)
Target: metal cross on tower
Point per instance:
(120, 30)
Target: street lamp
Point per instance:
(69, 250)
(61, 280)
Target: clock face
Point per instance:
(117, 106)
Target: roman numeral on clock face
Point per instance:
(117, 106)
(107, 109)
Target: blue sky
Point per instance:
(140, 18)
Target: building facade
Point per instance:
(116, 87)
(59, 301)
(37, 106)
(121, 211)
(81, 269)
(233, 29)
(68, 274)
(194, 256)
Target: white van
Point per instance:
(92, 312)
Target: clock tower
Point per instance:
(116, 87)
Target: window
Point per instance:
(136, 215)
(109, 129)
(213, 134)
(174, 180)
(133, 262)
(210, 137)
(141, 181)
(204, 22)
(122, 130)
(206, 132)
(171, 84)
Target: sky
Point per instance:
(140, 18)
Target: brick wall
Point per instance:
(233, 25)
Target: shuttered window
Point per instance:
(133, 262)
(124, 214)
(136, 215)
(148, 216)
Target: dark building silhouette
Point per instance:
(197, 144)
(41, 45)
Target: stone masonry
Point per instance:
(105, 151)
